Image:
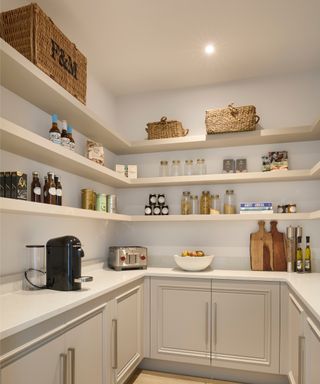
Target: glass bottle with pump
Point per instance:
(35, 188)
(307, 256)
(72, 144)
(54, 133)
(299, 259)
(65, 139)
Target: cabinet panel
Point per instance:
(312, 353)
(42, 365)
(84, 345)
(246, 326)
(180, 320)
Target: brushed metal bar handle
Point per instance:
(114, 343)
(207, 324)
(63, 368)
(301, 360)
(72, 361)
(214, 337)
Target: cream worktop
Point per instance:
(20, 309)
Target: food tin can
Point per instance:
(87, 199)
(112, 203)
(101, 202)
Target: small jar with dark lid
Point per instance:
(164, 168)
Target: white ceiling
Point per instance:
(145, 45)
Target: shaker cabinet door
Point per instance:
(180, 320)
(245, 325)
(311, 374)
(46, 364)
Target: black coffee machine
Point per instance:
(64, 264)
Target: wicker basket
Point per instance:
(31, 32)
(164, 129)
(231, 119)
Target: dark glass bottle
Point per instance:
(50, 197)
(72, 144)
(58, 190)
(307, 256)
(45, 188)
(35, 188)
(54, 133)
(299, 258)
(65, 139)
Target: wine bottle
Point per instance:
(299, 256)
(307, 256)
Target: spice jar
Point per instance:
(176, 168)
(188, 167)
(201, 168)
(185, 203)
(101, 202)
(229, 206)
(194, 204)
(215, 204)
(205, 203)
(164, 168)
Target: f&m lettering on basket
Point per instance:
(32, 33)
(231, 119)
(64, 60)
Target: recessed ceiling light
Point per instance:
(209, 49)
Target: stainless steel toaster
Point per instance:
(128, 257)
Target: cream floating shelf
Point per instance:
(25, 143)
(23, 78)
(31, 208)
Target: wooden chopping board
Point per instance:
(279, 254)
(261, 249)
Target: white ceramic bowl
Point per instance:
(193, 263)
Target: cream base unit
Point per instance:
(180, 320)
(245, 321)
(73, 354)
(312, 353)
(126, 333)
(231, 325)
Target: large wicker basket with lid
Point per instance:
(32, 33)
(165, 129)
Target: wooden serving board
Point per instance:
(279, 253)
(261, 249)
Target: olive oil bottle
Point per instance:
(299, 258)
(307, 256)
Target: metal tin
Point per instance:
(292, 208)
(112, 203)
(101, 202)
(87, 199)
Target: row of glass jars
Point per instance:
(208, 204)
(190, 168)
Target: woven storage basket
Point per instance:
(31, 32)
(231, 119)
(164, 129)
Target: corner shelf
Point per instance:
(31, 208)
(23, 78)
(25, 143)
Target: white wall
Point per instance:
(280, 101)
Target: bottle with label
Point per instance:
(65, 139)
(57, 181)
(54, 133)
(45, 188)
(161, 199)
(152, 199)
(72, 144)
(299, 259)
(50, 196)
(307, 256)
(35, 188)
(148, 210)
(165, 210)
(157, 210)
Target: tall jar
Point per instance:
(229, 206)
(194, 204)
(185, 203)
(164, 168)
(215, 204)
(188, 167)
(205, 203)
(201, 168)
(176, 168)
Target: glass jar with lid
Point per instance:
(194, 204)
(201, 168)
(229, 206)
(188, 167)
(185, 203)
(215, 204)
(176, 168)
(205, 203)
(164, 168)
